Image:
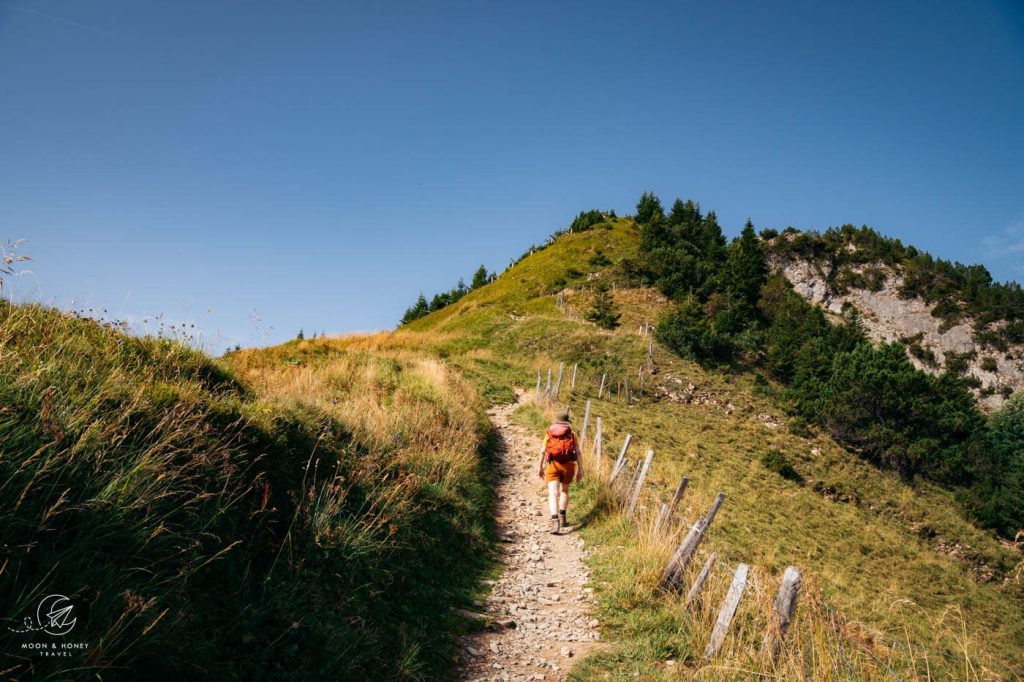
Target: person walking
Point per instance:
(560, 464)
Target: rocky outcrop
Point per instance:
(932, 344)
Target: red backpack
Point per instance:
(561, 444)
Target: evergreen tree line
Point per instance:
(955, 289)
(727, 308)
(421, 307)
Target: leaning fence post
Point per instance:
(633, 477)
(601, 389)
(597, 445)
(732, 599)
(622, 455)
(694, 594)
(782, 613)
(572, 386)
(558, 384)
(687, 548)
(639, 483)
(586, 418)
(680, 489)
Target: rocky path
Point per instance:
(540, 610)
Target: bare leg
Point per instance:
(563, 500)
(553, 497)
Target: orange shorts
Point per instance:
(560, 471)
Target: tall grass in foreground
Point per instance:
(657, 636)
(283, 514)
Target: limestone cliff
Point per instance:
(933, 344)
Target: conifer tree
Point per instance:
(602, 311)
(746, 271)
(479, 278)
(648, 209)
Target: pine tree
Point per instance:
(300, 336)
(602, 311)
(479, 278)
(418, 310)
(746, 271)
(648, 209)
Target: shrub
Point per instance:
(775, 461)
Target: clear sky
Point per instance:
(260, 167)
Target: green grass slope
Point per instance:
(207, 526)
(899, 561)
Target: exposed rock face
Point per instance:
(889, 317)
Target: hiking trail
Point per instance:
(544, 587)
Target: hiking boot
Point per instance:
(556, 526)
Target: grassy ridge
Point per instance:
(280, 515)
(899, 562)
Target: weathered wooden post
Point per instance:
(680, 489)
(732, 600)
(632, 478)
(572, 386)
(597, 446)
(661, 518)
(537, 398)
(782, 614)
(601, 389)
(688, 547)
(622, 455)
(650, 356)
(624, 466)
(693, 596)
(640, 483)
(626, 383)
(547, 391)
(586, 418)
(558, 384)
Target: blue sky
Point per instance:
(259, 167)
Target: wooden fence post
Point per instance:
(650, 356)
(547, 391)
(673, 573)
(622, 455)
(693, 595)
(619, 468)
(639, 483)
(558, 384)
(586, 418)
(680, 489)
(626, 383)
(782, 613)
(732, 600)
(670, 510)
(632, 478)
(661, 518)
(572, 386)
(537, 397)
(601, 389)
(597, 445)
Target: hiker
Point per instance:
(559, 464)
